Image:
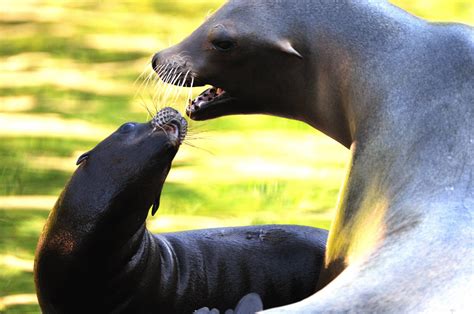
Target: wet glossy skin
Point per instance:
(95, 253)
(399, 92)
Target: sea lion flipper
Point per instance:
(206, 310)
(249, 304)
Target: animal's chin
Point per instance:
(212, 103)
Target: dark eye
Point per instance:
(127, 127)
(223, 45)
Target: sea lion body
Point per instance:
(96, 256)
(395, 89)
(274, 261)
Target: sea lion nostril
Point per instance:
(154, 62)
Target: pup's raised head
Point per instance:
(130, 166)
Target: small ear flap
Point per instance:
(82, 158)
(285, 46)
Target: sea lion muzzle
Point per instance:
(171, 121)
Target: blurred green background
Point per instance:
(67, 73)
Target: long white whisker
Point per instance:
(157, 85)
(160, 84)
(181, 87)
(178, 89)
(150, 115)
(140, 77)
(171, 84)
(142, 73)
(197, 147)
(170, 87)
(146, 82)
(167, 82)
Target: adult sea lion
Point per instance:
(96, 256)
(395, 89)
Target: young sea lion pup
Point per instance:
(96, 256)
(395, 89)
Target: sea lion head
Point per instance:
(247, 53)
(128, 168)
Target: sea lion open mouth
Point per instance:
(199, 107)
(172, 123)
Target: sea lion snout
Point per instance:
(175, 68)
(172, 123)
(136, 152)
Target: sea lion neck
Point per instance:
(345, 46)
(115, 185)
(351, 48)
(403, 122)
(103, 207)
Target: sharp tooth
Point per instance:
(199, 103)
